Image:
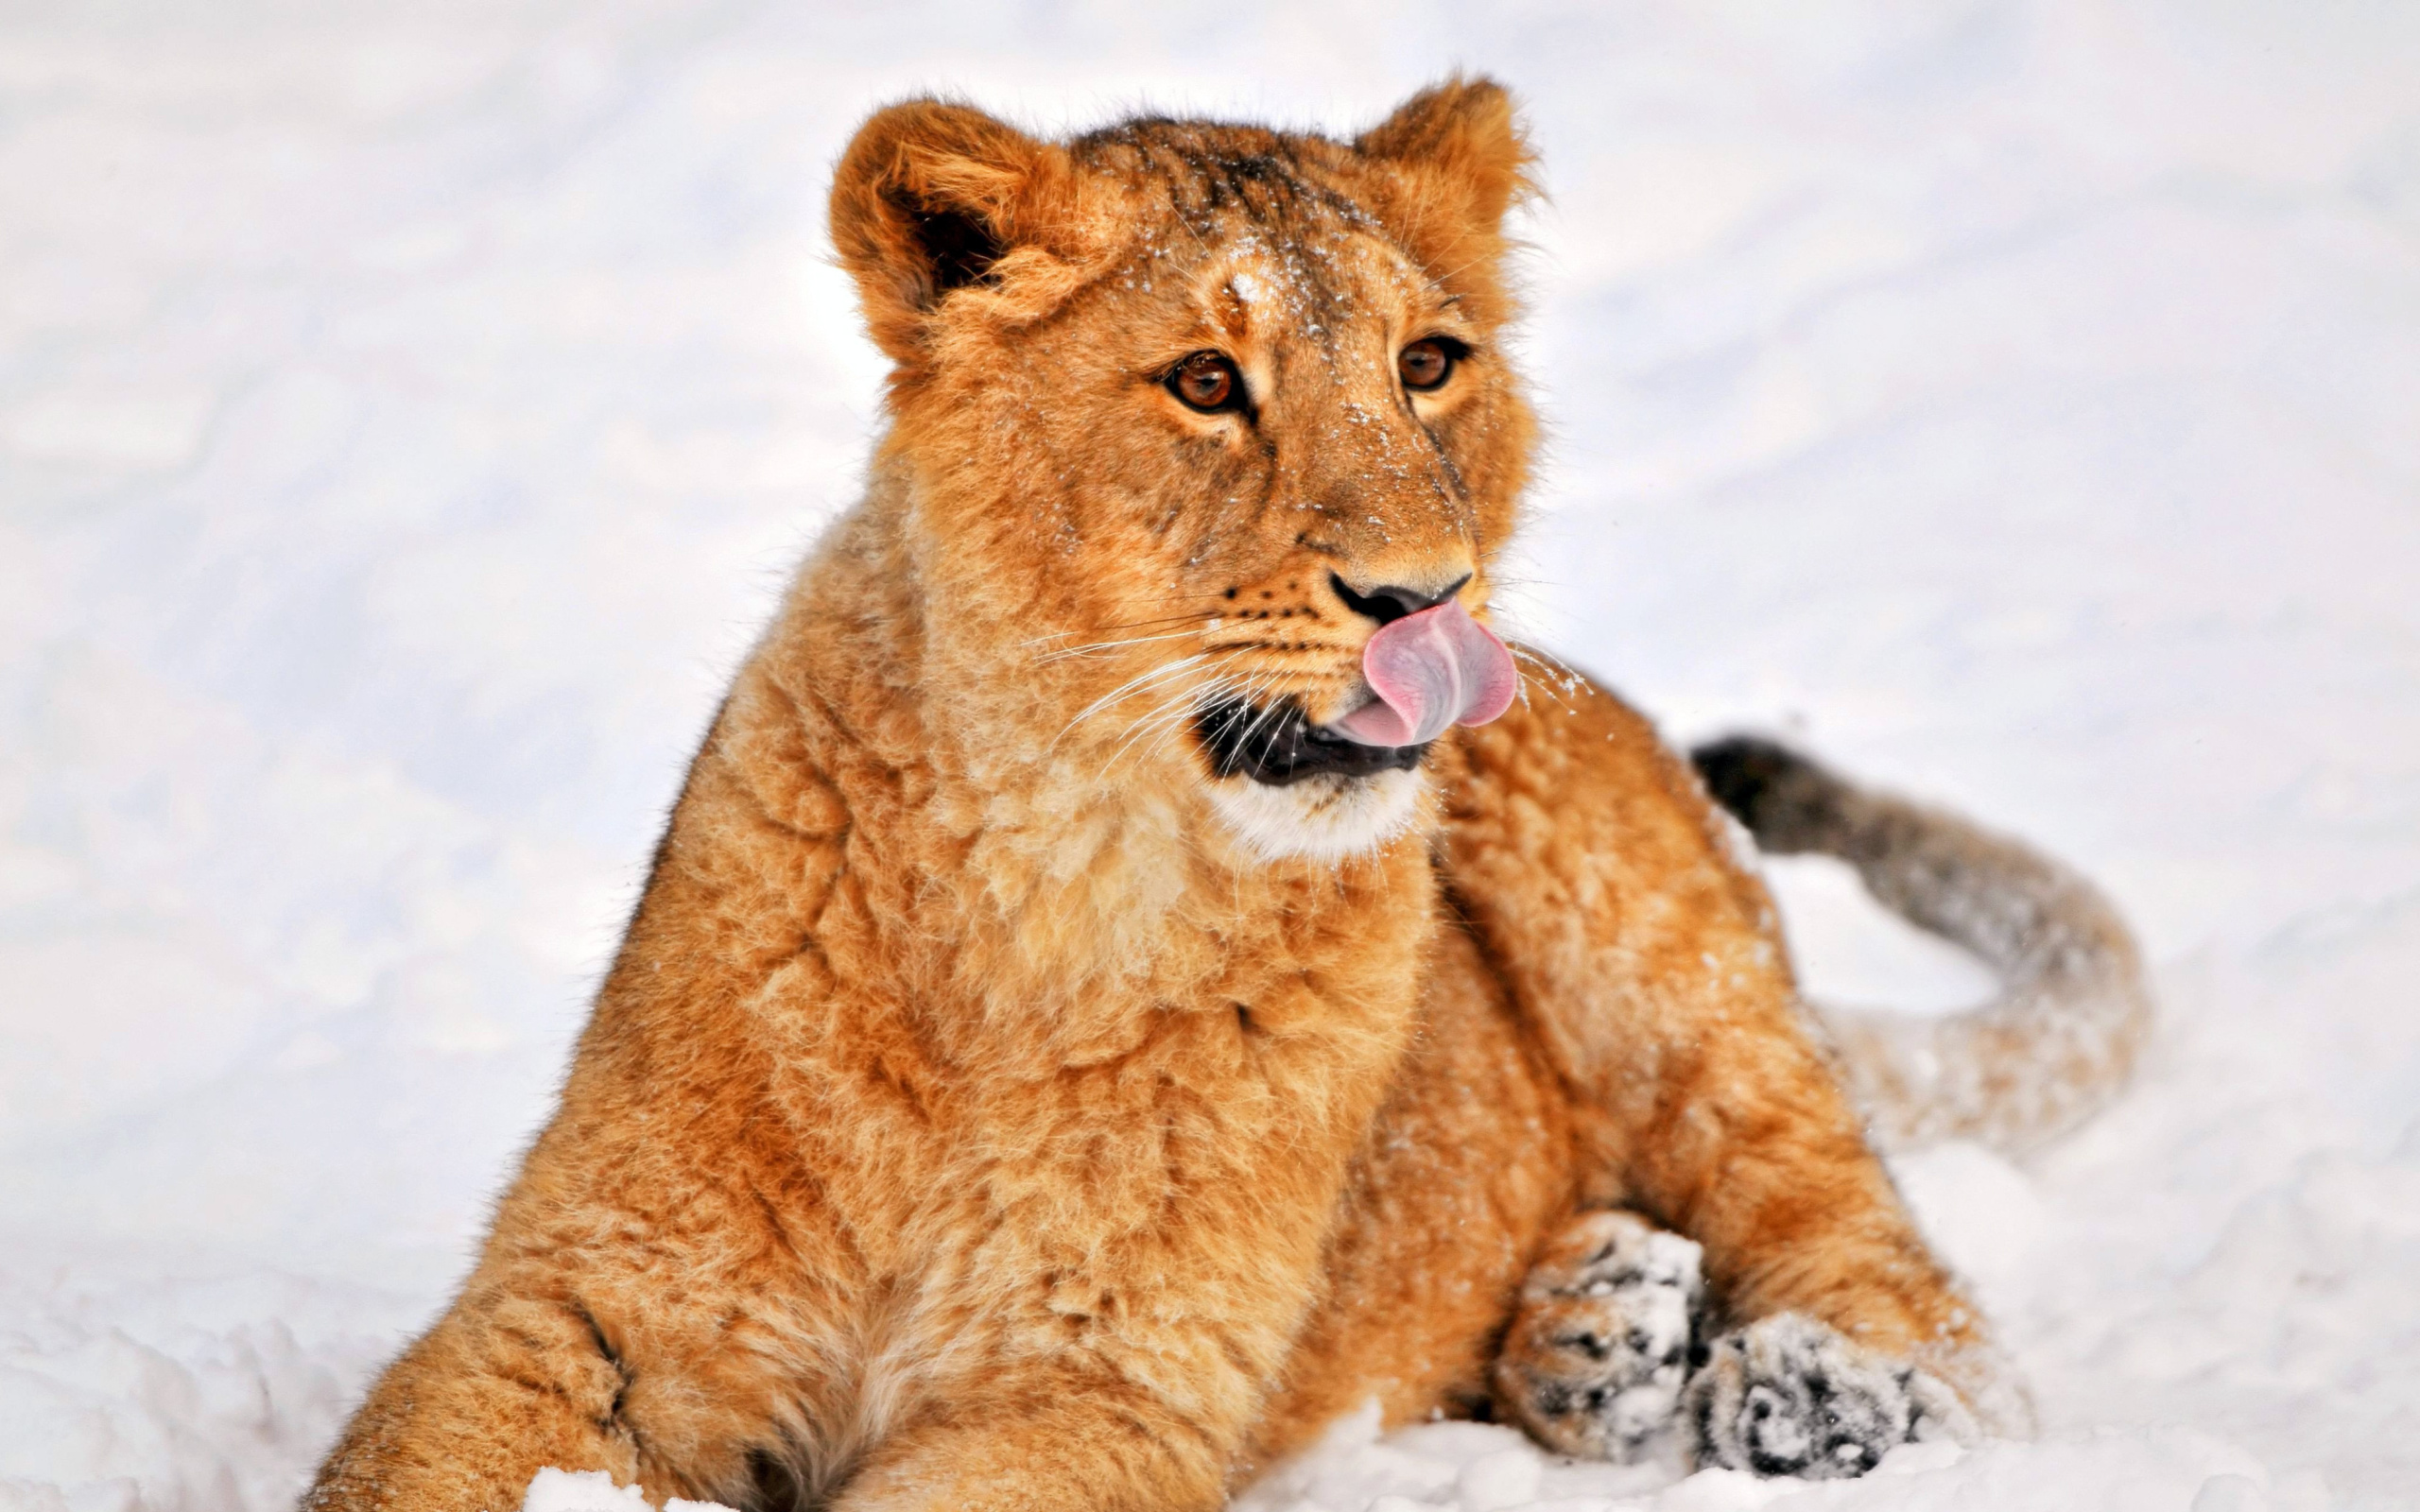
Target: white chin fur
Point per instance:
(1319, 818)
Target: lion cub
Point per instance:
(1127, 980)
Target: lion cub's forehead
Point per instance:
(1258, 230)
(1274, 282)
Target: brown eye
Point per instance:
(1208, 382)
(1427, 364)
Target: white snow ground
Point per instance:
(407, 416)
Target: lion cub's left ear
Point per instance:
(1454, 161)
(931, 199)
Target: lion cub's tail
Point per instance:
(2059, 1041)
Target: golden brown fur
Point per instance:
(2059, 1040)
(975, 1114)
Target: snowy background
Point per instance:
(407, 416)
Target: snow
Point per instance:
(554, 1490)
(1482, 1468)
(407, 413)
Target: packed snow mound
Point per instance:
(554, 1490)
(408, 415)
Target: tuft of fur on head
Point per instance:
(1320, 818)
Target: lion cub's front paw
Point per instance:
(1601, 1347)
(1787, 1396)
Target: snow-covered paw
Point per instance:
(1600, 1347)
(1787, 1396)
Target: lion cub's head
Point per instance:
(1184, 415)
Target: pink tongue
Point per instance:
(1431, 670)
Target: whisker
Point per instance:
(1168, 716)
(1244, 691)
(1134, 685)
(1170, 730)
(1065, 651)
(1272, 710)
(1213, 599)
(1156, 730)
(1556, 680)
(1549, 660)
(1214, 612)
(1130, 687)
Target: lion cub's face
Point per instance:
(1189, 412)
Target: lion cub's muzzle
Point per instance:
(1425, 671)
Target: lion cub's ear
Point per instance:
(1456, 161)
(932, 197)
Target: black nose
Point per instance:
(1391, 602)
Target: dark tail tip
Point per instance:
(1787, 801)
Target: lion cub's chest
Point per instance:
(1222, 1081)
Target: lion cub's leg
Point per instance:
(477, 1406)
(1603, 1338)
(1648, 964)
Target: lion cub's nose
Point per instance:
(1389, 602)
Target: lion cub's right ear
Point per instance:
(932, 197)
